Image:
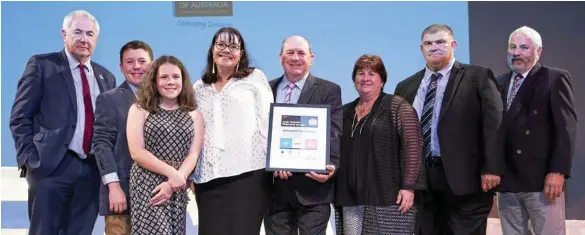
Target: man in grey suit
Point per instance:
(110, 143)
(52, 125)
(301, 201)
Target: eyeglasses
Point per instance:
(232, 47)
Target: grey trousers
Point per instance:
(546, 217)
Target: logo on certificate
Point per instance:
(299, 121)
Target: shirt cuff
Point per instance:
(110, 177)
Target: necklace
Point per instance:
(362, 110)
(354, 125)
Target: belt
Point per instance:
(434, 161)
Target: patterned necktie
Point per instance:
(288, 94)
(514, 90)
(88, 109)
(427, 114)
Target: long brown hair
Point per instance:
(148, 97)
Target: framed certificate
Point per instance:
(298, 138)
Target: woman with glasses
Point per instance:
(231, 186)
(381, 158)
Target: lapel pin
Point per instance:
(101, 77)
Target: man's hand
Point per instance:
(321, 177)
(553, 185)
(117, 198)
(282, 174)
(489, 181)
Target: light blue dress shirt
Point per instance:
(296, 92)
(419, 101)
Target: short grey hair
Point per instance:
(68, 20)
(530, 33)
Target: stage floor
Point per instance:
(14, 218)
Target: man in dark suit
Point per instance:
(110, 141)
(52, 125)
(460, 112)
(540, 126)
(301, 201)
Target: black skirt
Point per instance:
(234, 205)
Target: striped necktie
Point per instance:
(289, 89)
(427, 114)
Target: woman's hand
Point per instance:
(163, 193)
(177, 180)
(405, 199)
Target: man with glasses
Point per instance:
(301, 201)
(52, 126)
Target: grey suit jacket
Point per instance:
(110, 142)
(308, 191)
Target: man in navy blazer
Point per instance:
(110, 140)
(540, 130)
(52, 126)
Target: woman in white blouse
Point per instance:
(231, 186)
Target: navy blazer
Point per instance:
(110, 141)
(44, 113)
(540, 128)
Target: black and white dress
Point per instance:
(167, 135)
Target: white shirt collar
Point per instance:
(73, 63)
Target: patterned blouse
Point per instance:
(236, 126)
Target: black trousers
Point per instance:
(233, 205)
(441, 212)
(294, 218)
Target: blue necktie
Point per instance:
(427, 114)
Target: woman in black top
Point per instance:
(381, 158)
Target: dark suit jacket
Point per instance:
(109, 139)
(309, 191)
(469, 125)
(44, 113)
(540, 125)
